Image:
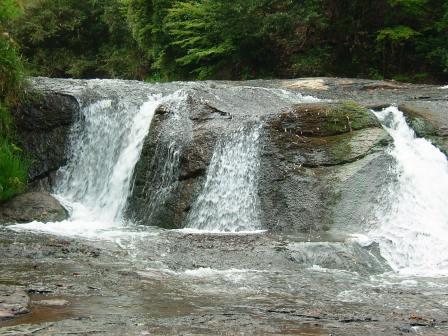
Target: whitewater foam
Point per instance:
(412, 221)
(229, 199)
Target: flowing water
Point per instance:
(229, 200)
(412, 221)
(94, 186)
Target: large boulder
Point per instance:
(43, 123)
(309, 154)
(322, 167)
(32, 206)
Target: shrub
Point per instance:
(13, 170)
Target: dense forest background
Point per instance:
(239, 39)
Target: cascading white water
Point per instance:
(95, 184)
(413, 218)
(104, 156)
(229, 201)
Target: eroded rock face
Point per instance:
(315, 135)
(43, 124)
(302, 147)
(310, 162)
(32, 206)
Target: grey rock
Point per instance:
(340, 256)
(13, 301)
(43, 124)
(32, 206)
(51, 302)
(297, 142)
(302, 174)
(429, 119)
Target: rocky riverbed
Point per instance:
(170, 282)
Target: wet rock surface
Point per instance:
(210, 284)
(43, 123)
(32, 206)
(13, 302)
(294, 138)
(429, 119)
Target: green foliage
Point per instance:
(201, 39)
(79, 38)
(218, 39)
(145, 19)
(11, 68)
(11, 71)
(201, 35)
(9, 9)
(13, 170)
(5, 120)
(397, 34)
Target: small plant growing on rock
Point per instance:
(13, 170)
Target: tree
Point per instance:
(79, 38)
(201, 39)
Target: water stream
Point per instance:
(412, 220)
(229, 200)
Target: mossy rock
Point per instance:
(318, 120)
(327, 134)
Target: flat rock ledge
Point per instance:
(32, 206)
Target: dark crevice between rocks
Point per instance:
(44, 182)
(192, 174)
(211, 111)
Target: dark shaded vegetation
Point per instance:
(241, 39)
(13, 168)
(78, 38)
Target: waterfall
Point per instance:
(229, 201)
(413, 218)
(104, 156)
(105, 146)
